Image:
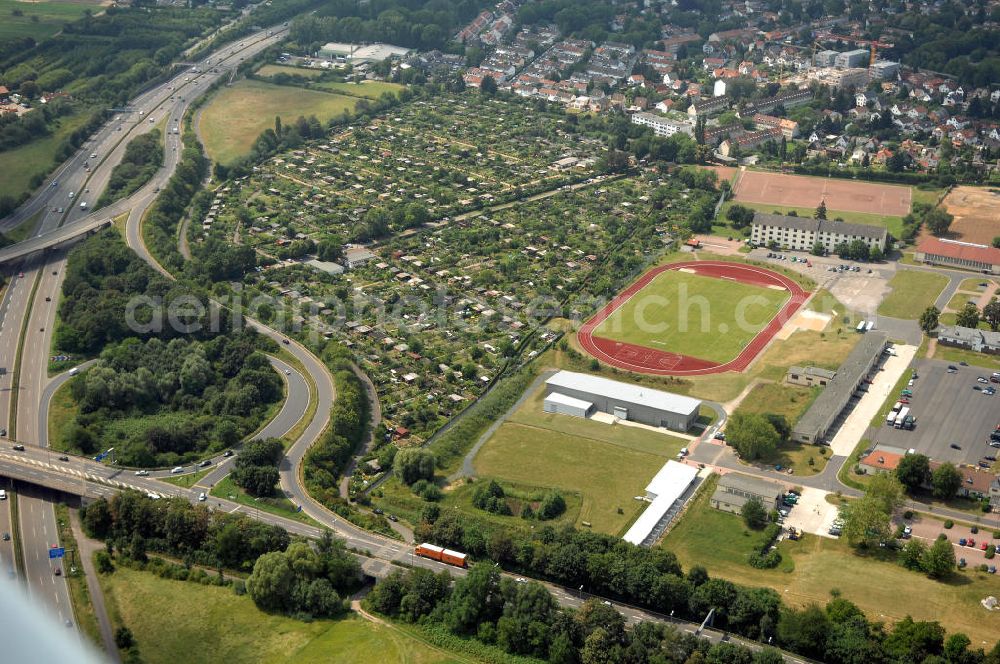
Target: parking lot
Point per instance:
(813, 514)
(948, 412)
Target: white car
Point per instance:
(142, 473)
(201, 497)
(178, 469)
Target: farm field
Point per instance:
(229, 627)
(35, 157)
(237, 115)
(367, 89)
(893, 223)
(814, 566)
(912, 291)
(608, 477)
(52, 15)
(725, 315)
(806, 192)
(975, 210)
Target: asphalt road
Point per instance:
(7, 567)
(169, 99)
(39, 531)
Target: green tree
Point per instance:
(754, 514)
(911, 556)
(929, 319)
(939, 561)
(804, 631)
(818, 249)
(946, 480)
(413, 464)
(887, 490)
(996, 242)
(752, 434)
(740, 215)
(938, 221)
(488, 86)
(968, 316)
(820, 210)
(914, 470)
(876, 255)
(474, 600)
(866, 522)
(270, 583)
(991, 314)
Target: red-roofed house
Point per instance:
(880, 461)
(959, 254)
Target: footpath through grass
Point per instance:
(179, 621)
(814, 566)
(912, 292)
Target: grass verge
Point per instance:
(15, 526)
(186, 481)
(912, 292)
(280, 506)
(79, 594)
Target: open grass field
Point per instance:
(237, 115)
(689, 314)
(800, 191)
(912, 292)
(41, 20)
(813, 566)
(210, 624)
(366, 89)
(37, 156)
(607, 477)
(894, 223)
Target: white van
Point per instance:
(74, 371)
(3, 495)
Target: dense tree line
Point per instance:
(421, 24)
(104, 282)
(143, 156)
(133, 523)
(523, 619)
(164, 216)
(326, 460)
(198, 396)
(303, 581)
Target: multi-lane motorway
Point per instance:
(30, 300)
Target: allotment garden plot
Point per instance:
(434, 314)
(692, 317)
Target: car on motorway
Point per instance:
(205, 463)
(48, 299)
(6, 537)
(57, 571)
(19, 448)
(178, 469)
(142, 473)
(3, 432)
(288, 372)
(228, 453)
(3, 494)
(955, 446)
(63, 457)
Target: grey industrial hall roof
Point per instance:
(838, 391)
(749, 484)
(819, 225)
(625, 392)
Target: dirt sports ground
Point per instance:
(642, 359)
(976, 216)
(806, 192)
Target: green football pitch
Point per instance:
(705, 317)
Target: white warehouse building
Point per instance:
(663, 492)
(578, 394)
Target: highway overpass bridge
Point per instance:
(68, 233)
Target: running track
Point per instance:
(646, 360)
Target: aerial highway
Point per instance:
(30, 301)
(85, 175)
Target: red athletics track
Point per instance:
(651, 361)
